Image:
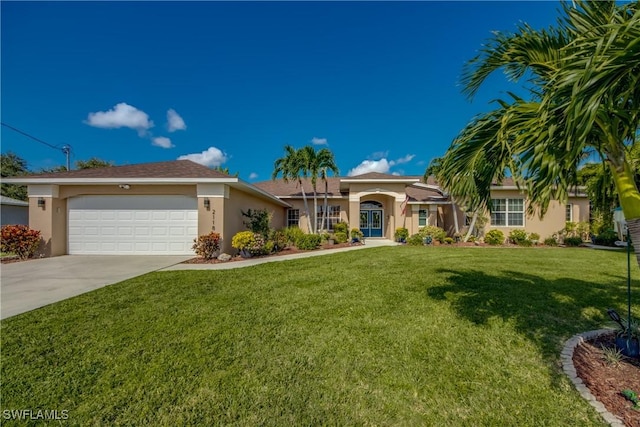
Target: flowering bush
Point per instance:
(207, 245)
(20, 240)
(247, 241)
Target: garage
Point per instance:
(132, 225)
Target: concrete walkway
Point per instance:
(370, 243)
(28, 285)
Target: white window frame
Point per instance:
(426, 217)
(508, 210)
(333, 216)
(293, 222)
(568, 212)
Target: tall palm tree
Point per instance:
(583, 76)
(326, 162)
(316, 163)
(292, 168)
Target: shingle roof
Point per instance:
(171, 169)
(280, 188)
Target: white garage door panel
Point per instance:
(132, 225)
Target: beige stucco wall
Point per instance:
(553, 220)
(67, 191)
(237, 202)
(299, 204)
(51, 221)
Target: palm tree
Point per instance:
(325, 162)
(584, 84)
(292, 167)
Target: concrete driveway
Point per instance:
(27, 285)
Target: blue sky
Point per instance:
(231, 83)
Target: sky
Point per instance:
(231, 83)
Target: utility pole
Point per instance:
(66, 149)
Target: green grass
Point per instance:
(385, 336)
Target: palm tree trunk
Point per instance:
(471, 226)
(306, 208)
(315, 210)
(325, 214)
(455, 216)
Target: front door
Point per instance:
(371, 222)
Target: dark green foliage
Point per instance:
(448, 240)
(572, 241)
(308, 241)
(279, 239)
(551, 241)
(292, 233)
(258, 221)
(436, 233)
(341, 237)
(494, 237)
(13, 165)
(606, 238)
(341, 227)
(401, 234)
(93, 163)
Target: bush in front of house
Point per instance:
(415, 240)
(207, 245)
(494, 237)
(279, 239)
(341, 227)
(551, 241)
(606, 238)
(20, 240)
(341, 237)
(519, 237)
(308, 241)
(401, 234)
(448, 240)
(292, 234)
(356, 234)
(572, 241)
(250, 242)
(436, 233)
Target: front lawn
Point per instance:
(384, 336)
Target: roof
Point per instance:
(12, 202)
(172, 169)
(280, 188)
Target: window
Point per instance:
(293, 217)
(333, 216)
(568, 216)
(423, 217)
(507, 212)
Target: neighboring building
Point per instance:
(14, 212)
(160, 208)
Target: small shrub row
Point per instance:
(308, 241)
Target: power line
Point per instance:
(66, 149)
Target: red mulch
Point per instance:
(606, 381)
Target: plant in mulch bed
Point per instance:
(632, 396)
(207, 245)
(20, 240)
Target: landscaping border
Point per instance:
(568, 367)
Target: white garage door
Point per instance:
(140, 225)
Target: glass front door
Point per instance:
(371, 222)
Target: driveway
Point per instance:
(27, 285)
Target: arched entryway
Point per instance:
(371, 218)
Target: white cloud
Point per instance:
(163, 142)
(122, 115)
(253, 175)
(174, 121)
(381, 166)
(378, 155)
(319, 141)
(211, 157)
(401, 160)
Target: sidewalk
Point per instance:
(370, 243)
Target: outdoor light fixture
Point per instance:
(207, 203)
(124, 186)
(41, 202)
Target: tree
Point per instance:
(13, 165)
(292, 168)
(317, 164)
(583, 77)
(224, 170)
(92, 163)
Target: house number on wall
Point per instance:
(213, 220)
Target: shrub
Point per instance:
(518, 237)
(448, 240)
(341, 227)
(269, 247)
(534, 237)
(415, 240)
(207, 245)
(258, 221)
(436, 233)
(356, 234)
(20, 240)
(472, 239)
(308, 241)
(292, 233)
(401, 234)
(247, 241)
(279, 239)
(606, 238)
(572, 241)
(341, 237)
(494, 237)
(551, 241)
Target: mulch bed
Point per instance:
(606, 381)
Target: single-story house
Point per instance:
(160, 208)
(13, 211)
